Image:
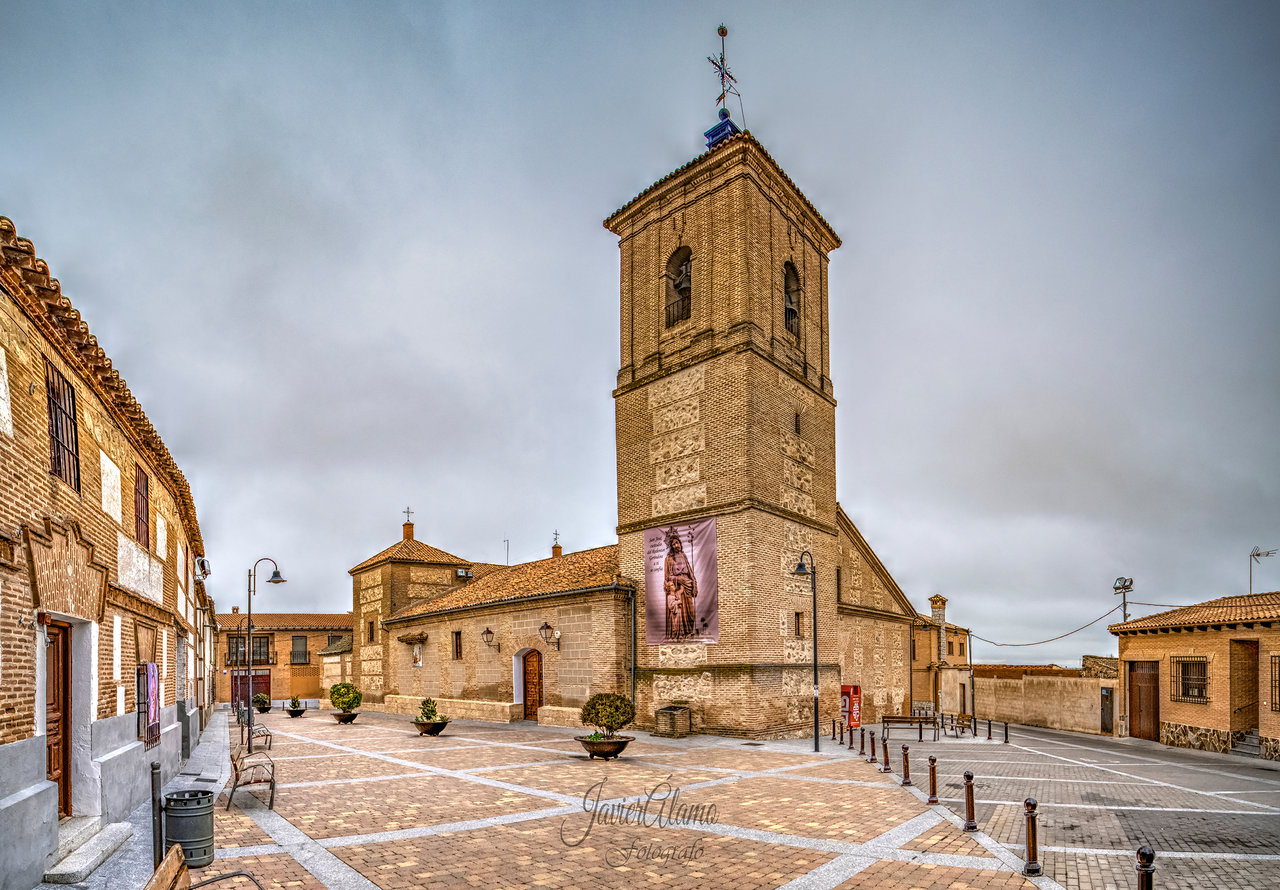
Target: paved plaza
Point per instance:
(375, 805)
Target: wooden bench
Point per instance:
(173, 874)
(252, 769)
(259, 730)
(889, 720)
(958, 725)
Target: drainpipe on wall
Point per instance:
(632, 596)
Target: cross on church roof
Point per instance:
(557, 539)
(408, 514)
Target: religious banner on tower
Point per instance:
(681, 584)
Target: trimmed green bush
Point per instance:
(609, 711)
(345, 697)
(428, 714)
(295, 704)
(260, 700)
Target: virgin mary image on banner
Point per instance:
(681, 585)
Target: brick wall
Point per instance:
(91, 532)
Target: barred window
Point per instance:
(141, 507)
(791, 297)
(64, 442)
(1189, 678)
(1275, 682)
(457, 645)
(679, 286)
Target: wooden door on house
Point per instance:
(1144, 700)
(58, 712)
(532, 684)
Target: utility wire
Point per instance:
(1161, 605)
(1051, 639)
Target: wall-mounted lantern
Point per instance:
(487, 636)
(549, 636)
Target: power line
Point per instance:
(1051, 639)
(1161, 605)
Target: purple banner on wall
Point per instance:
(681, 584)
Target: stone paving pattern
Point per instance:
(375, 805)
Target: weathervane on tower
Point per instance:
(726, 128)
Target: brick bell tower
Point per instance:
(725, 410)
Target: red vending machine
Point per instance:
(851, 706)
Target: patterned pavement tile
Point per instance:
(852, 768)
(481, 757)
(324, 811)
(621, 778)
(234, 828)
(330, 768)
(807, 809)
(946, 838)
(278, 871)
(744, 759)
(897, 876)
(609, 856)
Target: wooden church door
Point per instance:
(532, 684)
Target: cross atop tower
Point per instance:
(557, 537)
(727, 80)
(408, 515)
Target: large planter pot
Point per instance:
(347, 717)
(433, 727)
(262, 709)
(605, 749)
(295, 712)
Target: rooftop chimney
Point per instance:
(938, 603)
(235, 610)
(408, 531)
(556, 550)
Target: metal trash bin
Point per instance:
(673, 722)
(188, 821)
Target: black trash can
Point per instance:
(188, 821)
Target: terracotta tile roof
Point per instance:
(1224, 610)
(227, 621)
(411, 551)
(26, 278)
(1015, 671)
(583, 570)
(338, 648)
(744, 136)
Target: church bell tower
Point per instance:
(725, 417)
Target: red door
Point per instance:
(532, 684)
(58, 712)
(241, 694)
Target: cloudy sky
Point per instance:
(349, 258)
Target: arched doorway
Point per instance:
(532, 665)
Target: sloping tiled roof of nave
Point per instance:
(1224, 610)
(412, 550)
(583, 570)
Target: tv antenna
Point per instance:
(1256, 556)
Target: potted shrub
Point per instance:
(608, 712)
(429, 721)
(261, 702)
(346, 698)
(295, 708)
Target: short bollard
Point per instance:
(157, 829)
(920, 728)
(973, 721)
(842, 733)
(933, 780)
(1146, 868)
(906, 765)
(833, 730)
(850, 738)
(862, 744)
(1006, 732)
(988, 729)
(884, 752)
(1032, 868)
(970, 823)
(872, 759)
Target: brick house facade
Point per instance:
(100, 558)
(941, 671)
(1205, 676)
(286, 654)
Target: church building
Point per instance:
(726, 451)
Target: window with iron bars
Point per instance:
(1189, 678)
(298, 654)
(64, 441)
(1275, 682)
(141, 507)
(791, 299)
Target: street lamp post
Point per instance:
(274, 579)
(812, 571)
(1123, 587)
